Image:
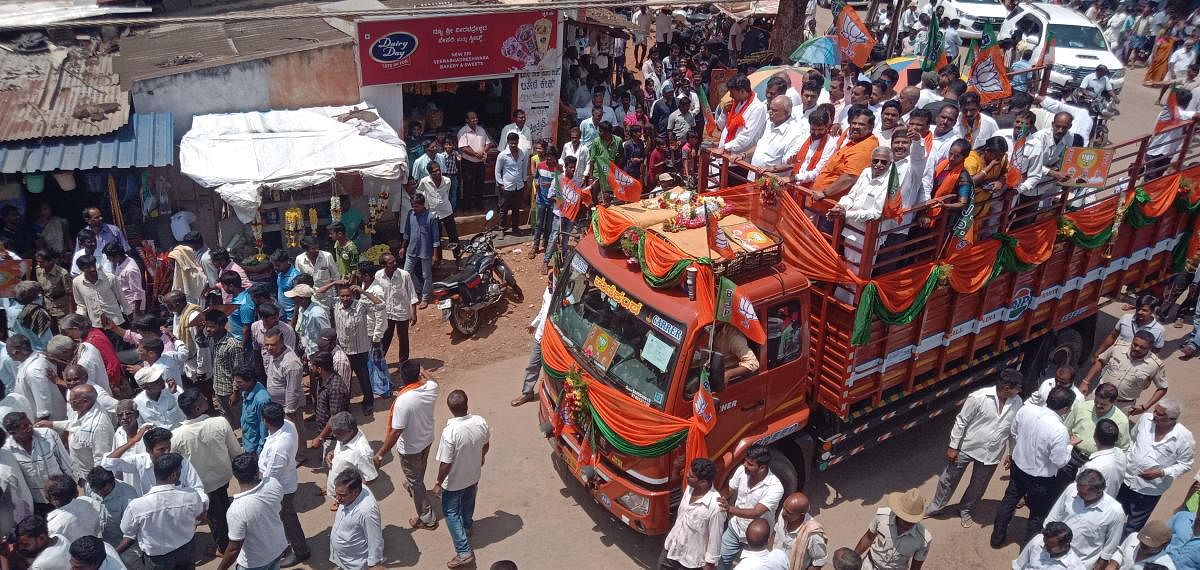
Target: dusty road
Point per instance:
(528, 513)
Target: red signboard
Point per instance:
(429, 49)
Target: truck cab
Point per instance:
(1079, 43)
(657, 360)
(973, 15)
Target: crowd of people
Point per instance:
(127, 418)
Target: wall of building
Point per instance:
(317, 77)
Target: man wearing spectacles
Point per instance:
(863, 203)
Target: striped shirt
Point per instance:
(351, 323)
(333, 398)
(228, 356)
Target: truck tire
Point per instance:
(1067, 349)
(781, 465)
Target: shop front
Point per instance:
(442, 69)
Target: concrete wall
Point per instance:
(317, 77)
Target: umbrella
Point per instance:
(795, 77)
(902, 65)
(820, 50)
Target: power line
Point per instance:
(422, 11)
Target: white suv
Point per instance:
(972, 14)
(1079, 43)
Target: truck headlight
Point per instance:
(637, 504)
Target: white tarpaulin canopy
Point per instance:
(241, 154)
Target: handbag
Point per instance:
(381, 380)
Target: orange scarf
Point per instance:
(734, 120)
(945, 179)
(392, 409)
(816, 157)
(969, 130)
(928, 143)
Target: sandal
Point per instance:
(416, 522)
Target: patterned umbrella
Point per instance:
(758, 80)
(901, 65)
(821, 50)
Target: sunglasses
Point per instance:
(882, 161)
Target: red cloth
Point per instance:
(112, 365)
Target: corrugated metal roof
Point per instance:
(147, 140)
(41, 93)
(179, 49)
(30, 12)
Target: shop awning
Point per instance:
(604, 17)
(241, 154)
(146, 140)
(743, 10)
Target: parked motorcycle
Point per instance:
(483, 282)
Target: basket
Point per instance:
(749, 262)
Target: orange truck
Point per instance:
(855, 353)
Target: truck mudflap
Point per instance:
(643, 510)
(838, 440)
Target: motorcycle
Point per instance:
(482, 282)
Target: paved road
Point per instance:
(527, 512)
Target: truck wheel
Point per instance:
(1067, 349)
(782, 467)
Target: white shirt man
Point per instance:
(463, 440)
(143, 466)
(812, 155)
(524, 136)
(1035, 557)
(399, 294)
(323, 270)
(1112, 464)
(163, 412)
(765, 559)
(1097, 84)
(78, 518)
(1181, 59)
(909, 173)
(814, 553)
(34, 382)
(56, 555)
(1168, 142)
(103, 297)
(1038, 398)
(1096, 527)
(695, 538)
(90, 437)
(1126, 328)
(46, 457)
(355, 454)
(768, 493)
(412, 412)
(163, 520)
(863, 203)
(356, 538)
(1126, 557)
(1173, 454)
(210, 445)
(1041, 442)
(779, 142)
(1041, 155)
(277, 458)
(754, 115)
(1082, 119)
(253, 518)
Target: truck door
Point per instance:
(740, 405)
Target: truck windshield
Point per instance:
(1078, 37)
(617, 335)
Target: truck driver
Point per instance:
(740, 359)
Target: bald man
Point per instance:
(73, 375)
(88, 427)
(908, 101)
(780, 140)
(758, 554)
(799, 536)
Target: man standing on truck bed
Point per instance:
(978, 440)
(754, 493)
(1131, 367)
(1042, 446)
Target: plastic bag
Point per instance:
(381, 380)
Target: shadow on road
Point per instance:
(642, 550)
(495, 528)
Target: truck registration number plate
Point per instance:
(445, 303)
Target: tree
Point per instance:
(789, 27)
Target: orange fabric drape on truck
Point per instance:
(1035, 244)
(973, 266)
(803, 245)
(659, 255)
(610, 226)
(898, 290)
(1162, 195)
(1094, 218)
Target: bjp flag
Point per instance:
(853, 38)
(988, 77)
(572, 196)
(735, 308)
(1169, 116)
(893, 206)
(625, 187)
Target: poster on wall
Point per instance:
(432, 49)
(537, 95)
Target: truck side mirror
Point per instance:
(716, 371)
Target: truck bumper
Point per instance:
(609, 487)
